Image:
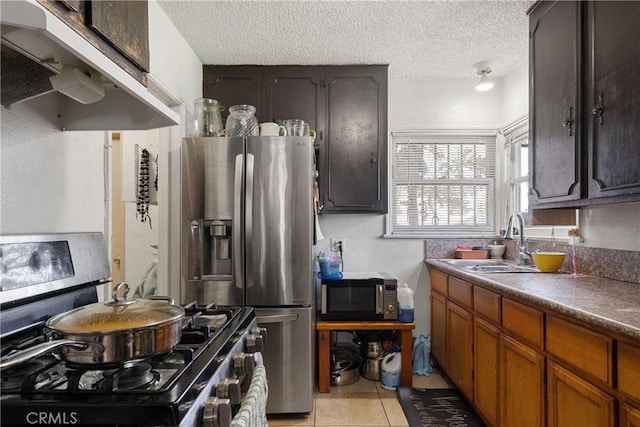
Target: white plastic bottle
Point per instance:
(405, 303)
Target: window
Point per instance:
(443, 184)
(516, 182)
(517, 168)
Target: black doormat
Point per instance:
(442, 407)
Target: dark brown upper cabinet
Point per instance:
(345, 105)
(124, 25)
(613, 101)
(354, 174)
(554, 61)
(296, 93)
(234, 85)
(584, 103)
(118, 29)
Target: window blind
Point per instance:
(443, 184)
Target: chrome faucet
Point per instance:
(524, 256)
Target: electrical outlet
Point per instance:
(337, 244)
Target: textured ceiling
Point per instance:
(418, 39)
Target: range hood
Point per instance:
(34, 33)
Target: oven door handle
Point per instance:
(379, 299)
(44, 348)
(277, 318)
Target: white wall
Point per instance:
(51, 181)
(443, 103)
(173, 63)
(515, 93)
(611, 226)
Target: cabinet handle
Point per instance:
(373, 160)
(598, 109)
(568, 121)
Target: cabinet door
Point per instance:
(234, 85)
(614, 100)
(629, 416)
(115, 33)
(296, 93)
(353, 174)
(522, 392)
(485, 367)
(439, 328)
(554, 61)
(575, 402)
(459, 343)
(125, 25)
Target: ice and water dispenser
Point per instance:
(213, 243)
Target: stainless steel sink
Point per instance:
(474, 262)
(491, 266)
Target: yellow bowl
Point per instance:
(548, 262)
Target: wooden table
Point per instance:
(324, 329)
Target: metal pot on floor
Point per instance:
(345, 366)
(371, 368)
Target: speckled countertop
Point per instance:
(610, 304)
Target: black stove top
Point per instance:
(45, 275)
(158, 391)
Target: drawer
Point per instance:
(523, 321)
(439, 281)
(461, 292)
(629, 370)
(487, 304)
(586, 350)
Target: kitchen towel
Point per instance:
(253, 411)
(421, 356)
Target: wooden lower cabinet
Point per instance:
(574, 402)
(459, 344)
(521, 385)
(485, 365)
(438, 328)
(629, 416)
(629, 370)
(521, 365)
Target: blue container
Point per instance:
(405, 315)
(330, 267)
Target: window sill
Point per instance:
(441, 236)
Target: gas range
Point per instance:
(198, 382)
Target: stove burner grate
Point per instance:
(129, 377)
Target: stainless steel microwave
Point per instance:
(359, 296)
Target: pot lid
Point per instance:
(117, 315)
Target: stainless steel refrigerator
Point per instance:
(247, 217)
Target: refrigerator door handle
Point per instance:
(248, 228)
(277, 318)
(379, 299)
(237, 222)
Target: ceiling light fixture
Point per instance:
(482, 68)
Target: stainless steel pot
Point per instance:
(347, 375)
(371, 368)
(110, 333)
(374, 348)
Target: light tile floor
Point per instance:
(364, 403)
